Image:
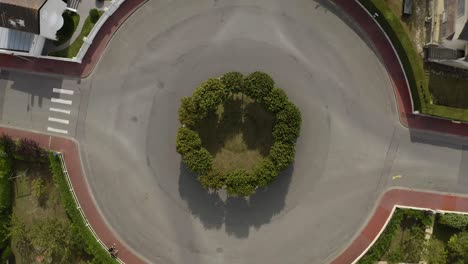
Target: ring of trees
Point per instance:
(260, 87)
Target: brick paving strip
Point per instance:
(69, 149)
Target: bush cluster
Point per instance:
(84, 235)
(7, 147)
(213, 92)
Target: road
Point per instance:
(351, 147)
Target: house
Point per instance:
(25, 24)
(449, 32)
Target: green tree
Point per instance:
(282, 155)
(275, 100)
(52, 238)
(283, 132)
(265, 172)
(189, 113)
(214, 179)
(209, 95)
(187, 140)
(18, 230)
(233, 82)
(290, 115)
(240, 183)
(436, 252)
(199, 161)
(457, 248)
(458, 221)
(258, 85)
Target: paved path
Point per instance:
(352, 142)
(69, 149)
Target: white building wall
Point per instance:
(50, 18)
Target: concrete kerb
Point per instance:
(77, 202)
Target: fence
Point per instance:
(108, 12)
(70, 186)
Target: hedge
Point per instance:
(211, 93)
(6, 203)
(90, 244)
(458, 221)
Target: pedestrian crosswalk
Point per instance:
(60, 110)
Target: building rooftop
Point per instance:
(21, 15)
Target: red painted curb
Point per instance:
(69, 149)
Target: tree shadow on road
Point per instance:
(237, 214)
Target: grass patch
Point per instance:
(72, 50)
(238, 134)
(449, 91)
(70, 23)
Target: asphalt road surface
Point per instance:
(351, 147)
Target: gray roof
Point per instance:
(21, 15)
(464, 33)
(15, 40)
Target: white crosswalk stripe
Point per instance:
(63, 91)
(55, 130)
(59, 120)
(59, 110)
(61, 101)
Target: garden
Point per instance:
(238, 132)
(412, 236)
(39, 219)
(72, 50)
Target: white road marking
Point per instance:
(58, 110)
(59, 120)
(51, 129)
(61, 101)
(63, 91)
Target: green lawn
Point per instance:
(72, 50)
(238, 135)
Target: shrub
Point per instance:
(187, 140)
(458, 221)
(436, 252)
(29, 150)
(282, 155)
(88, 241)
(214, 179)
(189, 114)
(6, 254)
(283, 132)
(265, 172)
(457, 248)
(198, 161)
(68, 28)
(233, 82)
(94, 15)
(290, 115)
(240, 183)
(209, 95)
(258, 85)
(6, 169)
(276, 100)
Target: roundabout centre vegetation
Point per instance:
(238, 132)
